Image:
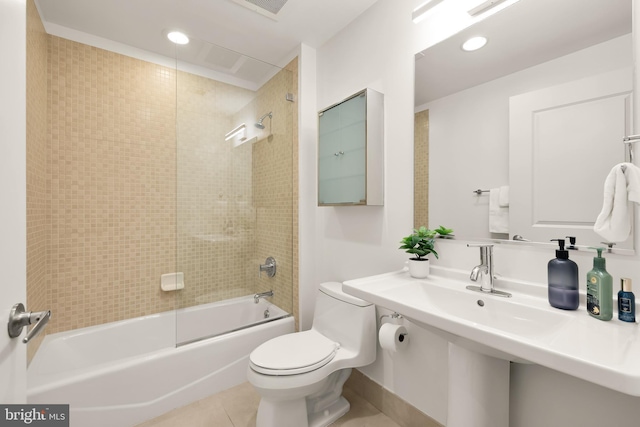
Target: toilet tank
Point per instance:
(347, 320)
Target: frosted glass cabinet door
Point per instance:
(350, 151)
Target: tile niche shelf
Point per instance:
(350, 151)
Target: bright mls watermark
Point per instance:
(34, 415)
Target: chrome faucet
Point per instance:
(256, 297)
(485, 271)
(269, 266)
(485, 268)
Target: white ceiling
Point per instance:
(142, 24)
(526, 33)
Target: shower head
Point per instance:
(259, 124)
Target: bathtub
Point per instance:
(123, 373)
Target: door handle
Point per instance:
(19, 318)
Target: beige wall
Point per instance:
(273, 182)
(37, 196)
(114, 202)
(112, 183)
(421, 170)
(294, 69)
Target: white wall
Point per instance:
(362, 240)
(359, 241)
(307, 129)
(377, 51)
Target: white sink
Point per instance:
(522, 328)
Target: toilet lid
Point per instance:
(292, 354)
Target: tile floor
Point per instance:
(237, 407)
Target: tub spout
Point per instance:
(256, 297)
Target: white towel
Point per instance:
(504, 196)
(498, 215)
(621, 187)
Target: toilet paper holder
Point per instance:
(395, 316)
(393, 335)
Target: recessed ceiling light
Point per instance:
(177, 37)
(474, 43)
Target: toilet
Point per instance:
(299, 376)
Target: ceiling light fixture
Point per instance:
(483, 7)
(420, 12)
(235, 131)
(177, 37)
(474, 43)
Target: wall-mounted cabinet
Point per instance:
(350, 151)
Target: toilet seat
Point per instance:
(293, 354)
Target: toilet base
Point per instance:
(290, 413)
(322, 407)
(330, 414)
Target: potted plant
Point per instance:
(420, 244)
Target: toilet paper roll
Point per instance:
(393, 337)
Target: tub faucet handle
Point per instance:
(19, 318)
(269, 266)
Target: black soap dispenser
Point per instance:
(563, 280)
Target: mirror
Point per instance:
(469, 113)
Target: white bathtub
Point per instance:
(122, 373)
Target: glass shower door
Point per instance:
(234, 184)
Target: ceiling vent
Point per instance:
(268, 8)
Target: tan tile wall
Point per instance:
(293, 68)
(37, 198)
(121, 190)
(421, 170)
(112, 177)
(273, 160)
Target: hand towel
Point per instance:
(498, 215)
(504, 196)
(621, 186)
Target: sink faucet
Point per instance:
(485, 268)
(485, 271)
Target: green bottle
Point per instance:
(599, 289)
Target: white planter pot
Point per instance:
(419, 268)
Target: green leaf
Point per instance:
(443, 230)
(422, 241)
